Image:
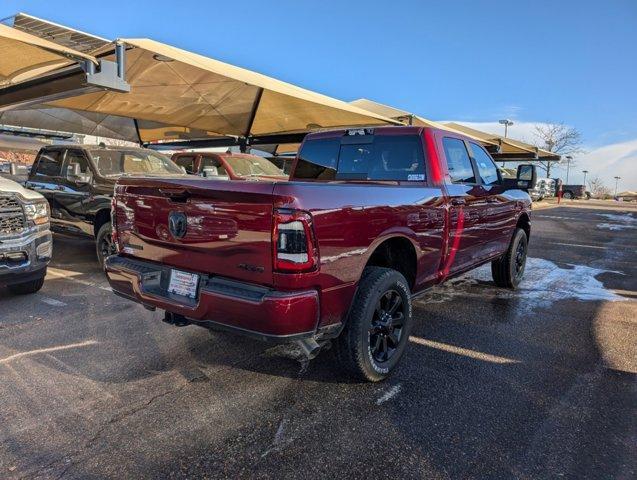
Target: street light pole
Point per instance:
(616, 182)
(507, 123)
(585, 172)
(568, 166)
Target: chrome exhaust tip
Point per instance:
(309, 347)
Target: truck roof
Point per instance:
(384, 130)
(93, 147)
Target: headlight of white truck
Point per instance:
(37, 212)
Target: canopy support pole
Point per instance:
(253, 112)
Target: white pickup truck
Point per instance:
(25, 238)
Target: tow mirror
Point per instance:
(526, 177)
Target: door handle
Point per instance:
(458, 201)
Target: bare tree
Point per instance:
(598, 189)
(557, 138)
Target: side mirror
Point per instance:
(527, 177)
(13, 169)
(83, 178)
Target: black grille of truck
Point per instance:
(11, 215)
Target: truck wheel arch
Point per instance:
(101, 217)
(524, 222)
(396, 252)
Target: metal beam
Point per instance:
(69, 82)
(275, 139)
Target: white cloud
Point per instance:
(604, 162)
(616, 159)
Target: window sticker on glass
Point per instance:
(413, 177)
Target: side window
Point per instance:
(49, 163)
(188, 162)
(458, 161)
(75, 157)
(487, 169)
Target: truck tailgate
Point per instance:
(228, 229)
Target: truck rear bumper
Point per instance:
(248, 309)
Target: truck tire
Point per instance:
(104, 243)
(508, 270)
(27, 287)
(568, 195)
(378, 325)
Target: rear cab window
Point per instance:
(365, 156)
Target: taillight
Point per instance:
(294, 246)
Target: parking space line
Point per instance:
(15, 356)
(69, 275)
(487, 357)
(53, 302)
(579, 245)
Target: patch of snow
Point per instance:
(614, 227)
(544, 283)
(619, 217)
(623, 221)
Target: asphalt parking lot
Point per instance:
(537, 383)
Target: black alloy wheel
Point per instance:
(387, 326)
(378, 326)
(104, 243)
(520, 259)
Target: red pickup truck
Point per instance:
(368, 219)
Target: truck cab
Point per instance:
(25, 240)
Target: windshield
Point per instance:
(253, 166)
(111, 163)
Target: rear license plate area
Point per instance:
(183, 284)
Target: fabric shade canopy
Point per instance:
(177, 94)
(65, 120)
(507, 145)
(412, 119)
(24, 56)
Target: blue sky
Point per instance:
(476, 61)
